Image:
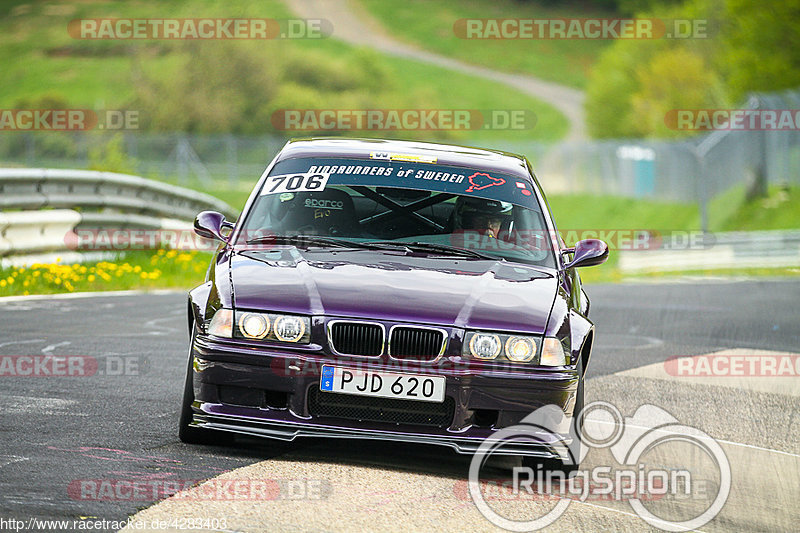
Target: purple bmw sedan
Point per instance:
(381, 289)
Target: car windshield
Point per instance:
(410, 205)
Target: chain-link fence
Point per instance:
(693, 170)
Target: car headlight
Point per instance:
(272, 326)
(520, 349)
(491, 346)
(289, 328)
(222, 323)
(254, 325)
(552, 353)
(484, 346)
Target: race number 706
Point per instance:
(312, 181)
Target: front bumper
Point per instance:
(265, 392)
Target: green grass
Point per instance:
(130, 270)
(728, 212)
(429, 24)
(582, 212)
(775, 212)
(40, 59)
(609, 274)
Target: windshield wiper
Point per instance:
(449, 250)
(307, 240)
(313, 240)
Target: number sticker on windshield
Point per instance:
(309, 181)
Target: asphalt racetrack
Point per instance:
(66, 440)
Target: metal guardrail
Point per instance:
(752, 249)
(38, 207)
(35, 188)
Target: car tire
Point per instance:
(554, 465)
(187, 433)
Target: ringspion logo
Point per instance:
(636, 478)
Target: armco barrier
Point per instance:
(752, 249)
(38, 207)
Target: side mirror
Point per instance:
(589, 252)
(210, 224)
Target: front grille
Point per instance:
(357, 338)
(367, 408)
(419, 344)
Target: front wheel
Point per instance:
(187, 433)
(555, 464)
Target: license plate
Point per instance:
(382, 384)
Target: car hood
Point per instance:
(467, 293)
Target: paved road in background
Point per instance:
(56, 431)
(356, 26)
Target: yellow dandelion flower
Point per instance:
(91, 278)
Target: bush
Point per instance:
(675, 78)
(112, 157)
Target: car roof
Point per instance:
(445, 154)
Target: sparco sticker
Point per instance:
(309, 181)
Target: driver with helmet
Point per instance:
(481, 215)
